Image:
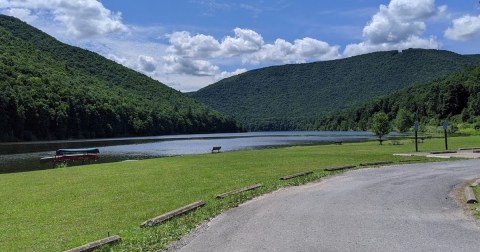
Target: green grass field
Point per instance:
(53, 210)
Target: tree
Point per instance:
(404, 120)
(380, 125)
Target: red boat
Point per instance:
(65, 155)
(71, 157)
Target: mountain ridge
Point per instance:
(454, 98)
(50, 90)
(292, 96)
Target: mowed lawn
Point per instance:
(57, 209)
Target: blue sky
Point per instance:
(188, 44)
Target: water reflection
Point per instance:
(17, 157)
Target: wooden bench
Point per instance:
(216, 149)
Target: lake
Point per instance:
(25, 156)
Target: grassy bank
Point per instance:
(476, 207)
(57, 209)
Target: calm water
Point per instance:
(18, 157)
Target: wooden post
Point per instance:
(161, 218)
(296, 175)
(244, 189)
(376, 163)
(96, 244)
(340, 168)
(470, 196)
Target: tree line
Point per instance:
(455, 98)
(44, 96)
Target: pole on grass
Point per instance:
(445, 127)
(416, 127)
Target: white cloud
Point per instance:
(464, 28)
(302, 50)
(146, 63)
(386, 28)
(181, 65)
(194, 54)
(411, 42)
(245, 41)
(226, 74)
(119, 60)
(187, 83)
(399, 25)
(81, 18)
(184, 44)
(408, 10)
(21, 13)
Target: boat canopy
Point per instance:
(77, 151)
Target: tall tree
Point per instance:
(404, 120)
(380, 125)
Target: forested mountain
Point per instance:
(50, 90)
(294, 96)
(455, 98)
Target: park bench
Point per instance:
(216, 149)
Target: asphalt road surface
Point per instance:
(396, 208)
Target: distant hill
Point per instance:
(293, 96)
(50, 90)
(455, 98)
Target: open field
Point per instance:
(62, 208)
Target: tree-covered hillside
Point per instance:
(50, 90)
(293, 96)
(455, 98)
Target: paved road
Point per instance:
(398, 208)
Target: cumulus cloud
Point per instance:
(81, 18)
(21, 13)
(411, 42)
(146, 63)
(132, 51)
(399, 25)
(116, 58)
(184, 44)
(193, 54)
(408, 10)
(464, 28)
(181, 65)
(245, 41)
(302, 50)
(226, 74)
